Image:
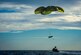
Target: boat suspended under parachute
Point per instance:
(47, 10)
(50, 36)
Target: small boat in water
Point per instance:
(55, 49)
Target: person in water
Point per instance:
(55, 49)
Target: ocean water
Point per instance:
(38, 52)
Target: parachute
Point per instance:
(47, 10)
(39, 10)
(59, 9)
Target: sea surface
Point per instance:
(38, 52)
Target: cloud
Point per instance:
(70, 28)
(74, 9)
(65, 18)
(14, 7)
(16, 31)
(17, 22)
(30, 23)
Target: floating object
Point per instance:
(50, 36)
(55, 49)
(47, 10)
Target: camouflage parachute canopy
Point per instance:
(47, 10)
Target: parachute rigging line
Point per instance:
(48, 10)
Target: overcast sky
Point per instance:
(21, 29)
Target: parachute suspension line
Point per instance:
(50, 27)
(52, 3)
(48, 10)
(50, 20)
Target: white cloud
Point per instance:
(73, 9)
(14, 6)
(70, 28)
(21, 8)
(62, 22)
(11, 16)
(66, 18)
(26, 20)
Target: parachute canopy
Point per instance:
(47, 10)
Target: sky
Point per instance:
(21, 29)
